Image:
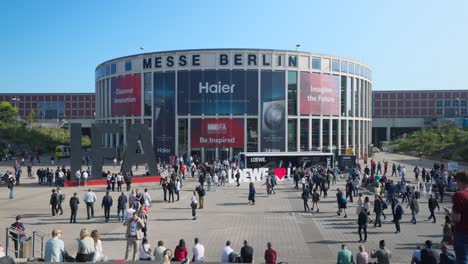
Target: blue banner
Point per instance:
(164, 115)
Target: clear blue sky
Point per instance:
(54, 46)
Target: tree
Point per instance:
(31, 117)
(8, 113)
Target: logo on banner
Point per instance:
(215, 88)
(216, 128)
(280, 173)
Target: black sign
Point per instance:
(345, 162)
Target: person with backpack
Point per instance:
(54, 200)
(74, 202)
(107, 204)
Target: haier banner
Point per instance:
(164, 115)
(273, 112)
(320, 94)
(213, 133)
(217, 92)
(126, 95)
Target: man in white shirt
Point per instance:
(159, 252)
(119, 182)
(78, 177)
(198, 252)
(225, 252)
(84, 175)
(215, 181)
(146, 198)
(90, 199)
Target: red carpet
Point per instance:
(94, 182)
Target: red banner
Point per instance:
(320, 94)
(223, 132)
(126, 95)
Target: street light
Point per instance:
(16, 100)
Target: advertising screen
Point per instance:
(217, 92)
(320, 94)
(273, 113)
(164, 115)
(289, 161)
(126, 95)
(222, 132)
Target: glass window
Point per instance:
(362, 71)
(128, 66)
(334, 135)
(148, 93)
(343, 136)
(343, 95)
(183, 135)
(316, 63)
(448, 103)
(351, 68)
(455, 103)
(349, 96)
(344, 66)
(439, 103)
(463, 111)
(336, 65)
(252, 135)
(113, 68)
(326, 65)
(315, 134)
(304, 135)
(107, 70)
(292, 93)
(325, 134)
(292, 134)
(350, 133)
(463, 102)
(439, 111)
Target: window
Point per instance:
(326, 134)
(336, 65)
(439, 103)
(455, 103)
(315, 134)
(292, 93)
(343, 135)
(343, 95)
(448, 103)
(183, 135)
(335, 135)
(463, 103)
(304, 135)
(292, 134)
(439, 111)
(316, 63)
(148, 93)
(108, 70)
(252, 135)
(344, 66)
(351, 68)
(128, 66)
(113, 68)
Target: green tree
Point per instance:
(7, 113)
(31, 117)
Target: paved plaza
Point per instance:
(297, 237)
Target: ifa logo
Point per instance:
(216, 128)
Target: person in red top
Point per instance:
(270, 255)
(460, 218)
(180, 252)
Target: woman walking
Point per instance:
(251, 194)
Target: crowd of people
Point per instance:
(388, 192)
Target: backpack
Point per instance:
(62, 197)
(108, 200)
(55, 198)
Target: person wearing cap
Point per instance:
(246, 253)
(74, 202)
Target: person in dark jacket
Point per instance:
(349, 190)
(121, 206)
(378, 211)
(362, 222)
(428, 254)
(54, 200)
(74, 202)
(107, 204)
(305, 198)
(414, 206)
(398, 210)
(433, 204)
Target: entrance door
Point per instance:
(210, 155)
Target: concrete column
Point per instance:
(388, 136)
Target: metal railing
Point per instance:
(24, 248)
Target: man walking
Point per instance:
(121, 205)
(119, 182)
(74, 202)
(90, 199)
(362, 222)
(414, 206)
(397, 216)
(201, 196)
(305, 199)
(432, 204)
(134, 234)
(315, 200)
(54, 199)
(61, 199)
(107, 204)
(378, 209)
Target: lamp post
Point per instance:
(15, 101)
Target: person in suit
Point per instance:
(134, 235)
(107, 204)
(74, 202)
(428, 254)
(55, 248)
(378, 211)
(362, 222)
(398, 212)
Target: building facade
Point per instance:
(52, 105)
(219, 102)
(398, 112)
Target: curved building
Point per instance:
(218, 102)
